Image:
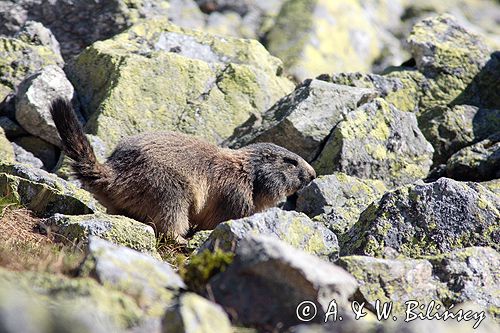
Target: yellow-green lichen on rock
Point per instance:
(44, 193)
(18, 59)
(413, 221)
(156, 76)
(337, 200)
(321, 36)
(377, 141)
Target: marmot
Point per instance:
(175, 181)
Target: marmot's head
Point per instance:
(277, 172)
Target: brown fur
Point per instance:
(176, 181)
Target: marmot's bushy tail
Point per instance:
(77, 146)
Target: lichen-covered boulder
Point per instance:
(337, 200)
(470, 274)
(137, 274)
(74, 302)
(19, 59)
(448, 55)
(293, 228)
(254, 291)
(35, 33)
(42, 192)
(450, 129)
(34, 96)
(394, 280)
(400, 91)
(85, 21)
(302, 120)
(427, 219)
(377, 141)
(156, 76)
(6, 148)
(492, 185)
(191, 313)
(321, 36)
(478, 162)
(114, 228)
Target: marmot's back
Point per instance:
(175, 181)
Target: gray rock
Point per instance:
(194, 314)
(302, 120)
(35, 33)
(81, 26)
(11, 128)
(377, 141)
(470, 274)
(12, 17)
(291, 227)
(394, 280)
(427, 219)
(137, 274)
(253, 289)
(41, 149)
(450, 129)
(26, 157)
(34, 97)
(478, 162)
(42, 192)
(115, 228)
(337, 200)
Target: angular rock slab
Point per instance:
(156, 76)
(268, 279)
(400, 91)
(34, 96)
(427, 219)
(394, 280)
(302, 120)
(42, 192)
(137, 274)
(337, 200)
(293, 228)
(377, 141)
(194, 314)
(114, 228)
(448, 55)
(450, 129)
(478, 162)
(470, 274)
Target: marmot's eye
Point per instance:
(290, 161)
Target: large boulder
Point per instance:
(34, 96)
(377, 141)
(254, 291)
(84, 21)
(156, 76)
(478, 162)
(302, 120)
(450, 129)
(19, 59)
(137, 274)
(427, 219)
(321, 36)
(42, 192)
(78, 229)
(293, 228)
(337, 200)
(62, 304)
